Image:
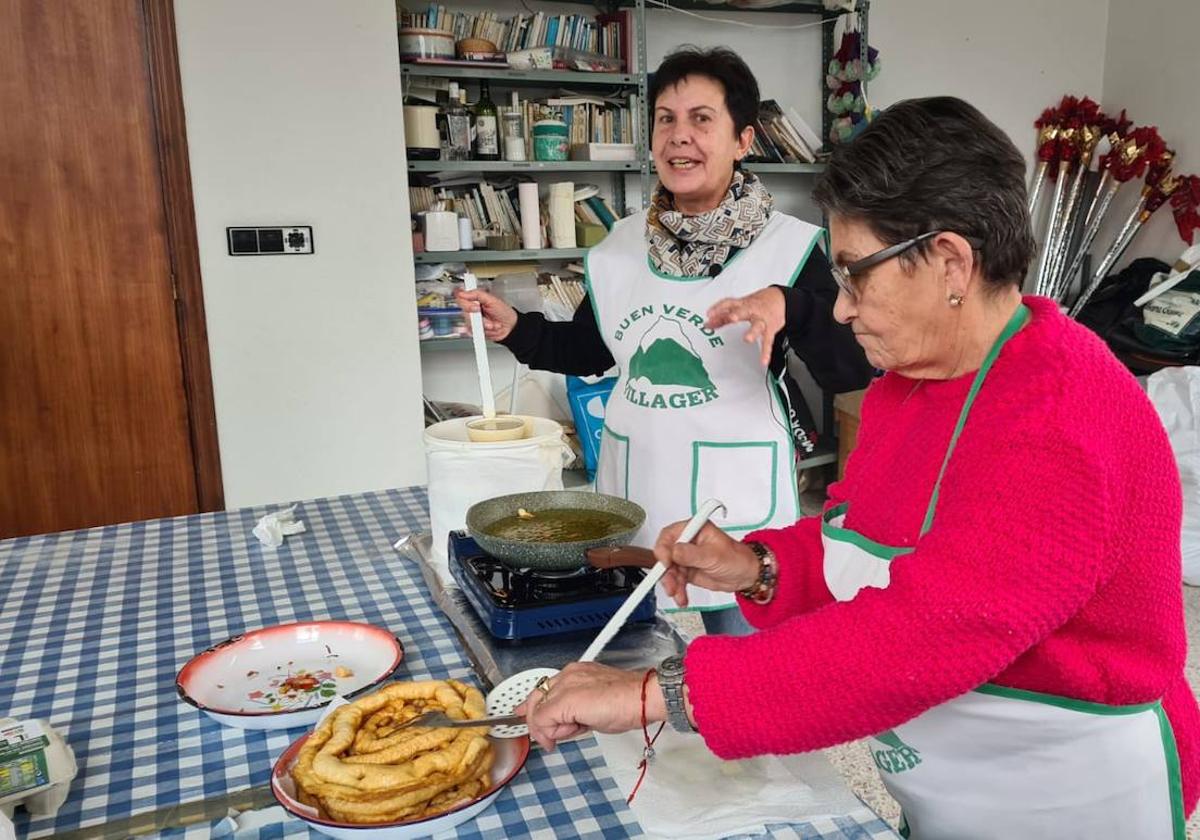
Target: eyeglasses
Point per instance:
(844, 275)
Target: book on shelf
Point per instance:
(495, 208)
(785, 135)
(606, 35)
(777, 139)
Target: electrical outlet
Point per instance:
(264, 241)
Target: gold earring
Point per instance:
(955, 299)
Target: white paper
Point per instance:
(531, 220)
(272, 528)
(689, 792)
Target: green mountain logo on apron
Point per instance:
(897, 757)
(666, 371)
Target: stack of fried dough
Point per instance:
(360, 766)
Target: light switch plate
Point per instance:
(246, 241)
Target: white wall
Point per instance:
(1010, 59)
(293, 117)
(1152, 68)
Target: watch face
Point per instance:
(671, 666)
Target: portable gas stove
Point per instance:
(518, 604)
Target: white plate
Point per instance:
(511, 693)
(282, 677)
(510, 758)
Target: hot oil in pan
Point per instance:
(558, 525)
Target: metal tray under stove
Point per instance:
(637, 646)
(518, 605)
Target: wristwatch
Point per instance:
(670, 680)
(763, 589)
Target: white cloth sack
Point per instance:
(1175, 393)
(689, 792)
(462, 473)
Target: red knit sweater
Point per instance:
(1053, 563)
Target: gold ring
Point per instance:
(543, 685)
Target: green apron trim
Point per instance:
(697, 445)
(587, 284)
(1019, 319)
(1068, 703)
(804, 260)
(624, 439)
(1170, 751)
(1174, 776)
(791, 443)
(840, 534)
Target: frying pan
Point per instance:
(538, 554)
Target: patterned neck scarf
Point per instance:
(687, 245)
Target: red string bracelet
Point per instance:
(648, 750)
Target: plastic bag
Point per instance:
(588, 401)
(1175, 393)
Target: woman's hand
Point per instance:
(498, 317)
(584, 697)
(764, 311)
(713, 560)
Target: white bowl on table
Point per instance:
(510, 753)
(284, 676)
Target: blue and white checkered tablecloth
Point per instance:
(95, 624)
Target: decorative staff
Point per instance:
(1126, 159)
(1089, 134)
(1160, 185)
(1066, 149)
(1047, 153)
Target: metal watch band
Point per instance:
(670, 680)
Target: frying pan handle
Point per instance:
(615, 556)
(644, 588)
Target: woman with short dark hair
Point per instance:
(993, 593)
(694, 414)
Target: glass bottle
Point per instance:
(458, 126)
(487, 131)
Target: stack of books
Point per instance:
(493, 206)
(782, 137)
(608, 35)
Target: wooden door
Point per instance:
(96, 422)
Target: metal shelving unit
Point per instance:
(456, 343)
(499, 256)
(533, 78)
(786, 168)
(525, 166)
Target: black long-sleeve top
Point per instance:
(827, 348)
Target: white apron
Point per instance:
(1005, 763)
(694, 414)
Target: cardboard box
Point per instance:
(847, 410)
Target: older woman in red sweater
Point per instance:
(993, 593)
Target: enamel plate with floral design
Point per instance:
(282, 677)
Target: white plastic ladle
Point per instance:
(483, 365)
(509, 694)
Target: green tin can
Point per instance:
(550, 140)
